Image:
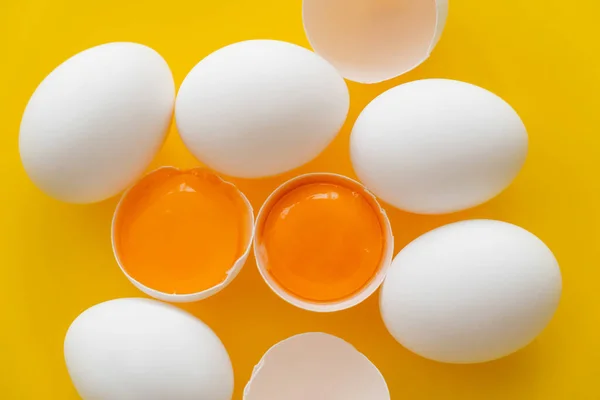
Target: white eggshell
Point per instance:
(95, 123)
(472, 291)
(190, 297)
(140, 349)
(262, 261)
(315, 366)
(371, 41)
(437, 146)
(260, 107)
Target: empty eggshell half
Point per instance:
(95, 123)
(370, 41)
(260, 108)
(315, 366)
(323, 243)
(182, 235)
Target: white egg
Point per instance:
(140, 349)
(437, 146)
(471, 291)
(95, 123)
(260, 108)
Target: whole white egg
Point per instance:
(260, 108)
(471, 291)
(437, 146)
(140, 349)
(95, 123)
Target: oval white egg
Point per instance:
(96, 122)
(471, 291)
(260, 108)
(437, 146)
(140, 349)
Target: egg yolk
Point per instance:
(322, 242)
(180, 232)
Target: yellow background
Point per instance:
(542, 56)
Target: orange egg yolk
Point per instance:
(180, 232)
(322, 242)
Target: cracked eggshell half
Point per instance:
(304, 243)
(95, 123)
(142, 349)
(370, 41)
(259, 108)
(182, 235)
(315, 366)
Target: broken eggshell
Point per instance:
(263, 264)
(231, 273)
(315, 366)
(371, 41)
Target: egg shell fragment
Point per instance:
(315, 366)
(141, 349)
(260, 108)
(95, 123)
(437, 146)
(472, 291)
(343, 304)
(190, 297)
(370, 41)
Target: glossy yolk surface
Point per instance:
(179, 232)
(322, 242)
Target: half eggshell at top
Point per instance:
(315, 366)
(370, 41)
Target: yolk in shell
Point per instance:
(180, 232)
(322, 242)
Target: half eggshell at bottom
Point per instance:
(315, 366)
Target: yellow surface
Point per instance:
(541, 56)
